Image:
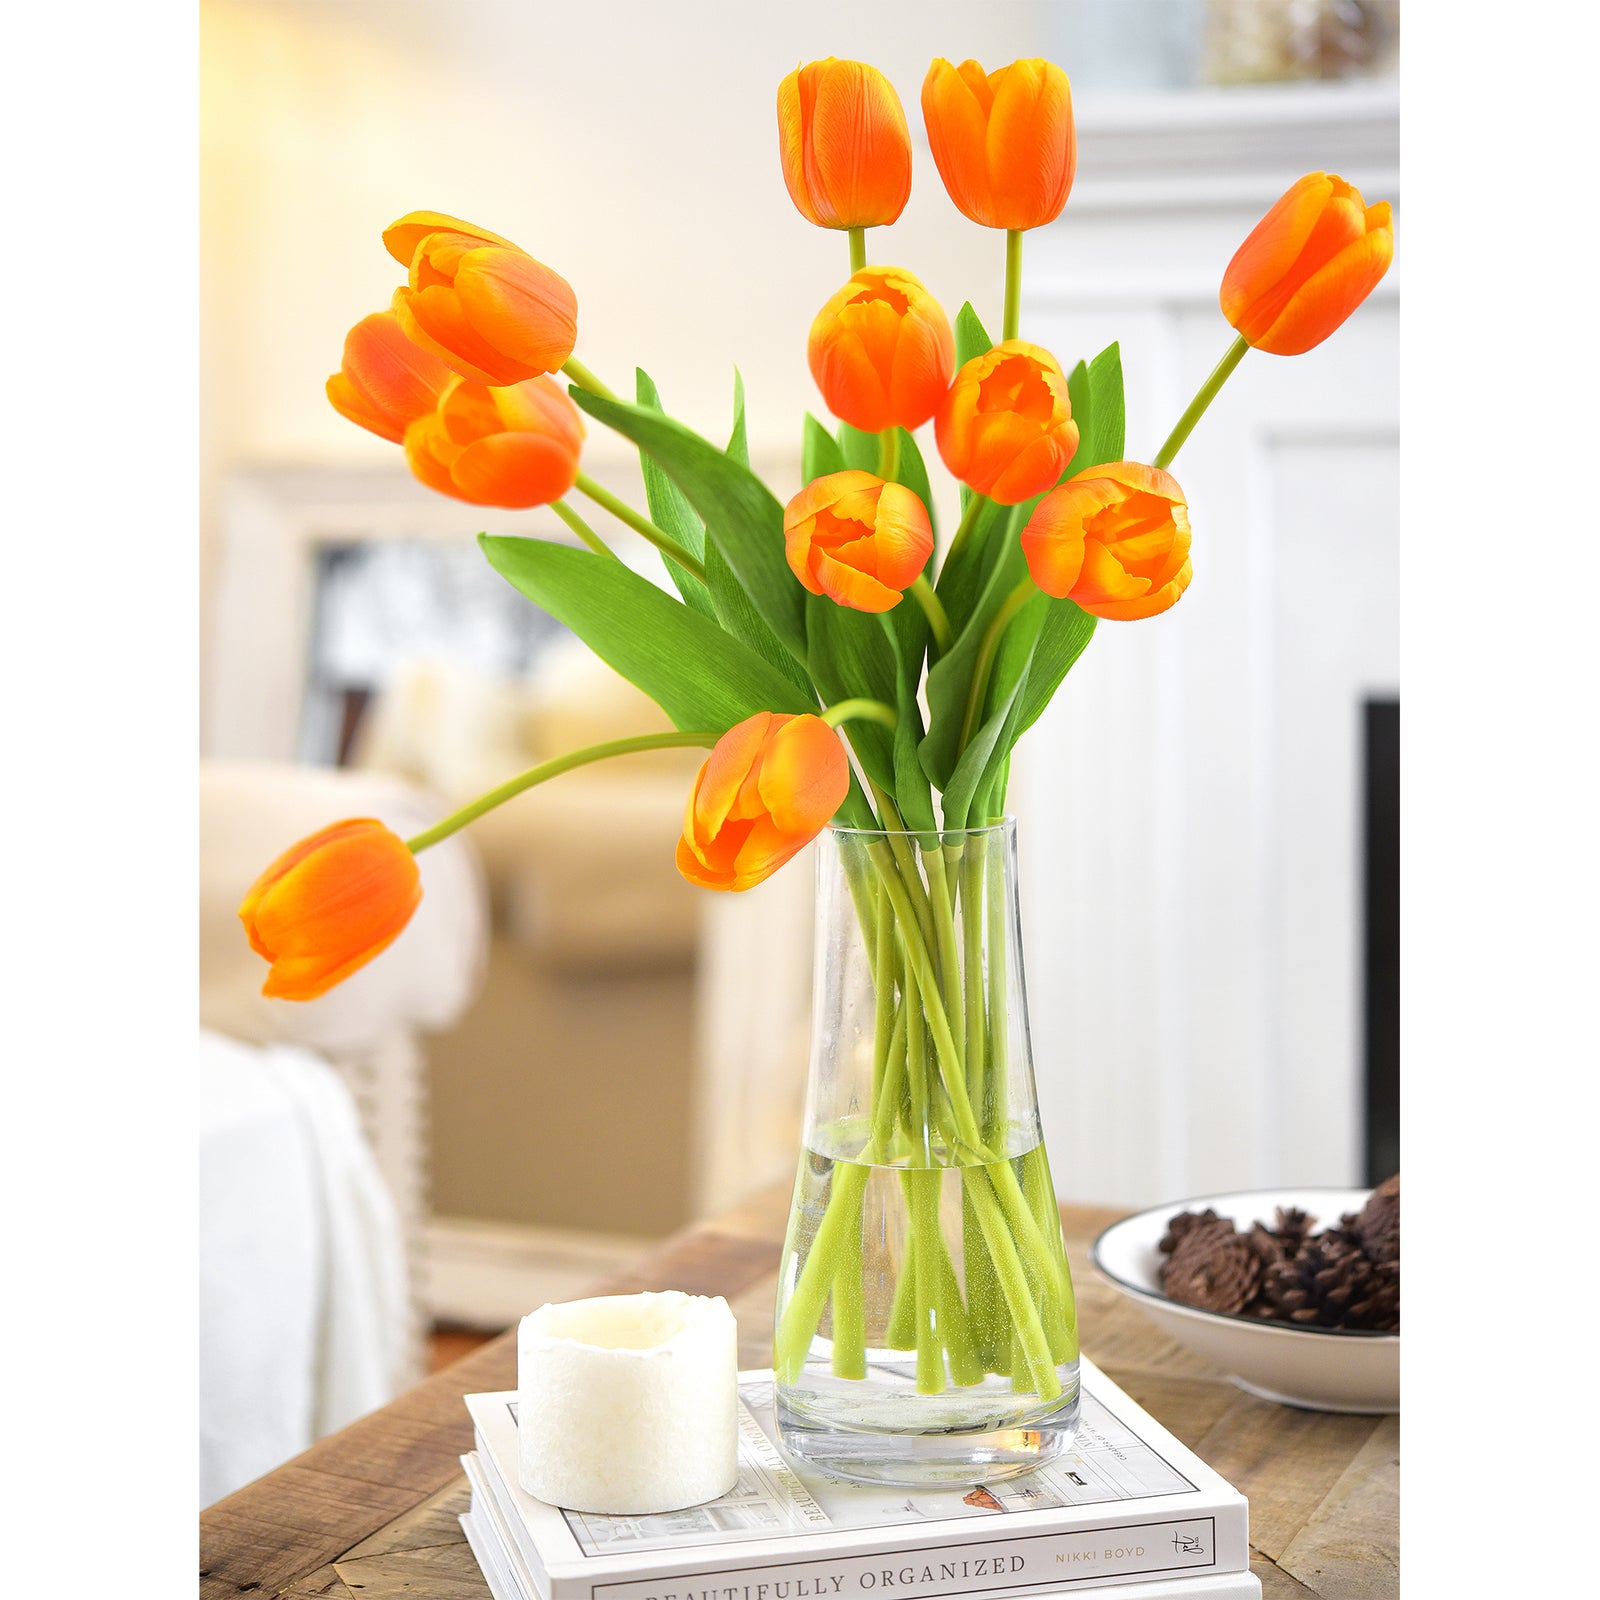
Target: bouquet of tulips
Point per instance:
(840, 661)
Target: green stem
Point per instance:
(849, 1311)
(858, 250)
(583, 530)
(704, 739)
(585, 379)
(973, 916)
(859, 710)
(888, 454)
(922, 592)
(988, 647)
(975, 504)
(1206, 393)
(944, 923)
(642, 525)
(922, 1207)
(804, 1311)
(1013, 315)
(1028, 1329)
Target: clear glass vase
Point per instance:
(925, 1327)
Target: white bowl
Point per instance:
(1322, 1369)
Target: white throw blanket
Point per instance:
(302, 1268)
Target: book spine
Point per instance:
(994, 1568)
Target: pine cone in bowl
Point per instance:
(1344, 1277)
(1212, 1267)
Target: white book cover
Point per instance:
(508, 1579)
(1127, 1502)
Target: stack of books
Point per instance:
(1128, 1513)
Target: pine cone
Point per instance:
(1377, 1224)
(1186, 1221)
(1293, 1225)
(1331, 1283)
(1212, 1268)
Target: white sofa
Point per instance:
(313, 1129)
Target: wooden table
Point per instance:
(370, 1513)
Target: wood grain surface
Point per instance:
(370, 1513)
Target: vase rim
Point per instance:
(1005, 824)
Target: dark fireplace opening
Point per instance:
(1380, 767)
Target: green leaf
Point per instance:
(851, 658)
(972, 340)
(732, 605)
(950, 677)
(696, 673)
(1098, 408)
(966, 570)
(991, 741)
(860, 450)
(913, 473)
(820, 454)
(738, 441)
(671, 512)
(908, 634)
(744, 524)
(1066, 632)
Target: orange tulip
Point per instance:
(766, 791)
(385, 381)
(882, 351)
(1315, 256)
(1005, 428)
(857, 539)
(517, 446)
(844, 144)
(330, 904)
(1115, 539)
(484, 307)
(1003, 141)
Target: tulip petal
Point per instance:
(848, 586)
(804, 775)
(1273, 245)
(1323, 303)
(1103, 578)
(724, 772)
(955, 111)
(514, 470)
(520, 307)
(401, 238)
(434, 319)
(1148, 605)
(354, 406)
(329, 905)
(857, 149)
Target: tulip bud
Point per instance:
(385, 382)
(1005, 428)
(1315, 256)
(765, 792)
(516, 446)
(1115, 539)
(330, 904)
(484, 307)
(882, 351)
(844, 144)
(857, 539)
(1004, 142)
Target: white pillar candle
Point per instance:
(628, 1404)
